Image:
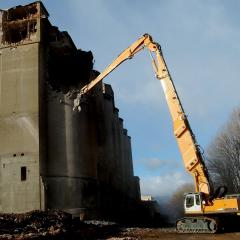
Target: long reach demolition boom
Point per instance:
(203, 212)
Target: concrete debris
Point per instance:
(33, 225)
(122, 238)
(100, 223)
(52, 224)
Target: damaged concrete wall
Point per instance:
(83, 159)
(19, 131)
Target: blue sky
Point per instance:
(200, 41)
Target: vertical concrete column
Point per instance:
(121, 153)
(109, 131)
(126, 175)
(117, 148)
(137, 191)
(130, 160)
(106, 170)
(107, 135)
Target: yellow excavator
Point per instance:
(206, 211)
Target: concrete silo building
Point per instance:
(50, 156)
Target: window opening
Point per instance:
(23, 173)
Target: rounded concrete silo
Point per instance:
(69, 171)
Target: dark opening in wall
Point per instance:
(21, 12)
(14, 33)
(20, 23)
(69, 70)
(23, 173)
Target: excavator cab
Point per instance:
(193, 203)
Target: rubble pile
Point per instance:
(91, 230)
(34, 224)
(52, 224)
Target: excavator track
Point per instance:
(197, 225)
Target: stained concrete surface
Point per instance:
(19, 133)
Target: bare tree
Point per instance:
(224, 155)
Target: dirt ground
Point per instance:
(57, 225)
(169, 234)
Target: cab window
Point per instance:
(189, 201)
(197, 199)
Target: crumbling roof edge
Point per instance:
(40, 2)
(42, 5)
(69, 38)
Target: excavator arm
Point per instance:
(189, 149)
(128, 53)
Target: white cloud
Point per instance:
(165, 185)
(155, 164)
(152, 164)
